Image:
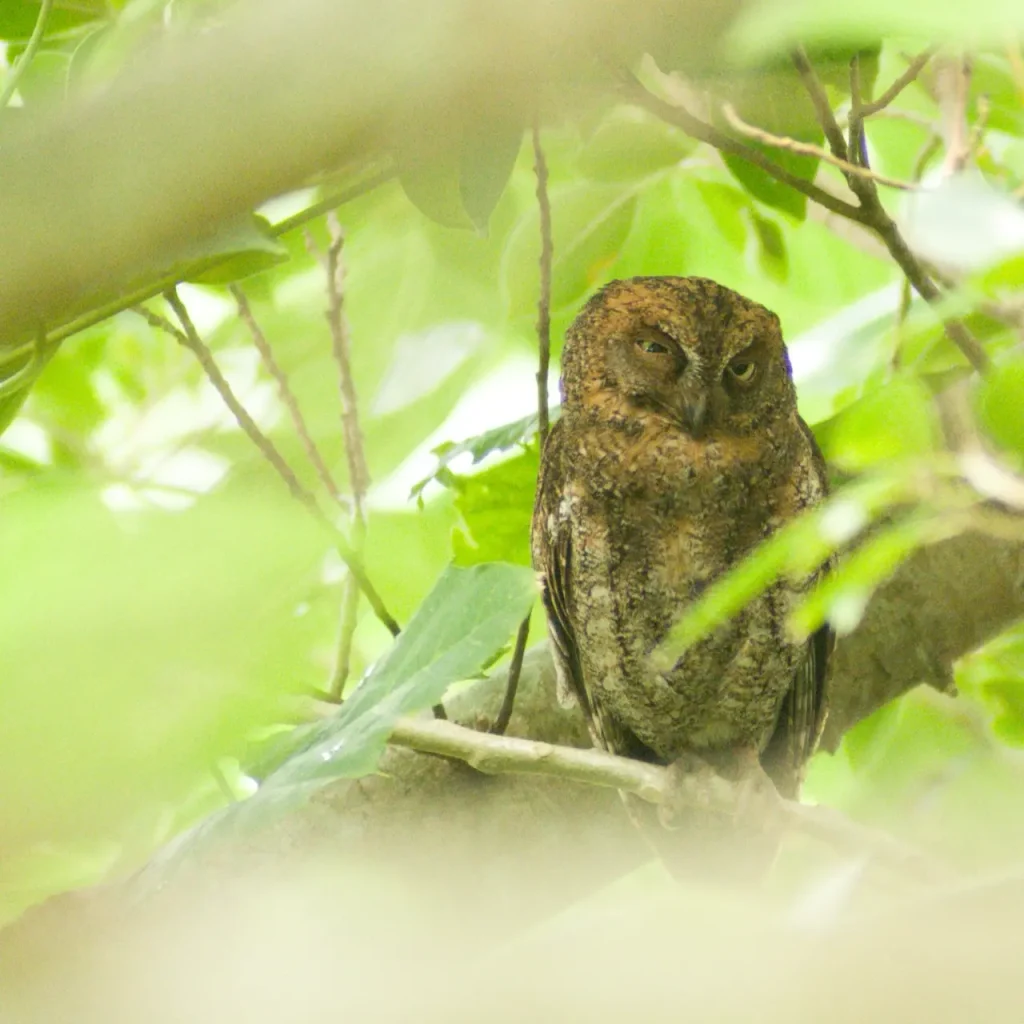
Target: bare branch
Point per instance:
(953, 86)
(809, 149)
(543, 426)
(872, 214)
(515, 669)
(634, 92)
(188, 336)
(286, 395)
(915, 67)
(359, 474)
(341, 347)
(656, 785)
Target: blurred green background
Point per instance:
(163, 601)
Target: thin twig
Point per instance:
(915, 68)
(543, 362)
(873, 215)
(287, 396)
(515, 670)
(510, 755)
(953, 86)
(189, 337)
(809, 149)
(544, 302)
(819, 98)
(17, 72)
(857, 138)
(341, 347)
(359, 476)
(635, 93)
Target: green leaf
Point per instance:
(843, 597)
(998, 403)
(590, 224)
(763, 186)
(498, 439)
(245, 248)
(496, 506)
(895, 421)
(462, 623)
(428, 157)
(772, 255)
(768, 27)
(18, 17)
(794, 551)
(630, 145)
(487, 156)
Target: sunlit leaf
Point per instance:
(999, 405)
(896, 420)
(498, 439)
(629, 145)
(794, 551)
(842, 598)
(496, 506)
(768, 27)
(463, 621)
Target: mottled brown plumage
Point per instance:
(678, 450)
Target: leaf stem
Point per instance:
(19, 69)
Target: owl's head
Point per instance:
(684, 348)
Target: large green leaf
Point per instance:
(496, 506)
(463, 622)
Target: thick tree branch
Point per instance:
(763, 809)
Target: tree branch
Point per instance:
(809, 149)
(873, 215)
(188, 336)
(915, 68)
(286, 395)
(656, 785)
(543, 365)
(634, 92)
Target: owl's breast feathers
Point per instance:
(633, 519)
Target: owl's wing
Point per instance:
(806, 706)
(553, 560)
(803, 716)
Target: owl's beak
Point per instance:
(695, 411)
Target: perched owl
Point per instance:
(678, 450)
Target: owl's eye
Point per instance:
(743, 370)
(654, 348)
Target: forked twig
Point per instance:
(809, 149)
(189, 337)
(286, 395)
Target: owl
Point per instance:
(678, 451)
